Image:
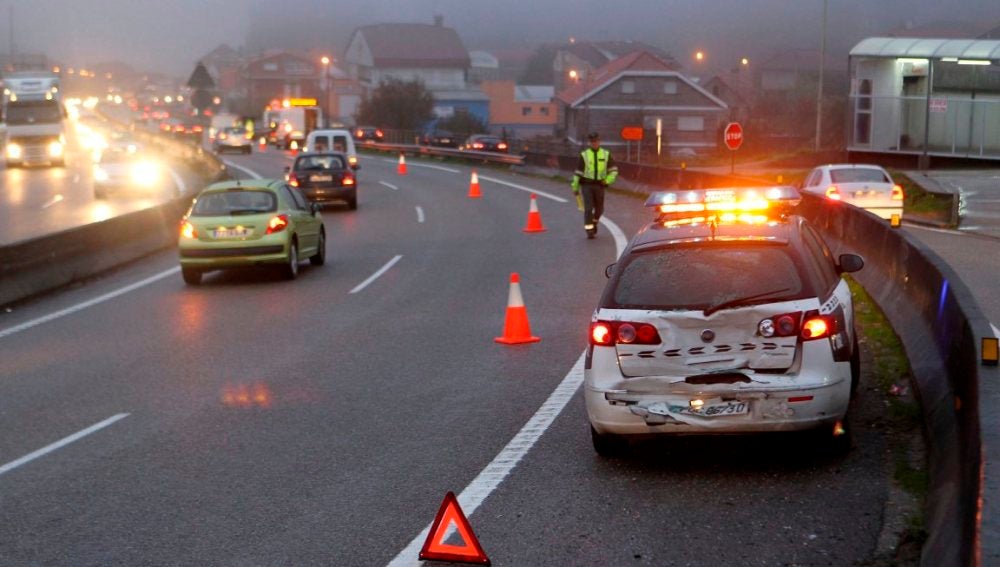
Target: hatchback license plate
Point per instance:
(232, 233)
(320, 178)
(713, 409)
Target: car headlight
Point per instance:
(145, 173)
(100, 175)
(55, 149)
(13, 151)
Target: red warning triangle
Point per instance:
(435, 549)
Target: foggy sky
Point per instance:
(170, 35)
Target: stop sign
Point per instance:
(733, 135)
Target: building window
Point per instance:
(525, 111)
(270, 66)
(670, 87)
(544, 110)
(628, 87)
(691, 123)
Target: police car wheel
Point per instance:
(608, 445)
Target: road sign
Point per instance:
(733, 136)
(632, 133)
(939, 105)
(435, 548)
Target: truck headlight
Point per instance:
(55, 149)
(145, 173)
(13, 151)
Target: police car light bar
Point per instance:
(734, 200)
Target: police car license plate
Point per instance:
(713, 408)
(320, 178)
(232, 233)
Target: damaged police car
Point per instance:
(728, 314)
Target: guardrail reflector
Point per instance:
(991, 351)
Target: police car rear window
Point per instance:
(696, 277)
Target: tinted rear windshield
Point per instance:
(239, 202)
(696, 277)
(858, 176)
(316, 163)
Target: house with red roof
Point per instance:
(641, 89)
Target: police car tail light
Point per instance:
(293, 180)
(277, 224)
(607, 333)
(833, 192)
(818, 327)
(786, 325)
(897, 193)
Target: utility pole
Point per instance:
(10, 31)
(819, 94)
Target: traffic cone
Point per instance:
(294, 147)
(401, 169)
(262, 144)
(474, 186)
(516, 329)
(534, 223)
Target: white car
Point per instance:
(866, 186)
(124, 168)
(725, 315)
(233, 139)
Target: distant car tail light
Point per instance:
(607, 333)
(786, 325)
(352, 160)
(277, 224)
(198, 128)
(502, 146)
(818, 327)
(188, 231)
(379, 133)
(477, 146)
(359, 133)
(293, 180)
(832, 192)
(897, 193)
(348, 179)
(223, 136)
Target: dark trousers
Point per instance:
(593, 202)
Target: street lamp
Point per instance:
(699, 56)
(819, 93)
(326, 86)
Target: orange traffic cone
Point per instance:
(401, 169)
(516, 329)
(294, 147)
(534, 223)
(262, 144)
(474, 186)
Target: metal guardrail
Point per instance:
(415, 149)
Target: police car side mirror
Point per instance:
(848, 263)
(608, 269)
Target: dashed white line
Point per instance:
(932, 229)
(996, 332)
(389, 185)
(52, 201)
(61, 443)
(89, 303)
(523, 188)
(377, 274)
(501, 466)
(420, 214)
(253, 174)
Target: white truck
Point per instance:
(292, 124)
(33, 114)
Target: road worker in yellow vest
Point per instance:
(595, 171)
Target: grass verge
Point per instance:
(922, 203)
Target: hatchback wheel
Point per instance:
(291, 268)
(191, 276)
(319, 258)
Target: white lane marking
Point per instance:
(253, 174)
(996, 332)
(61, 443)
(932, 229)
(616, 232)
(376, 275)
(505, 461)
(52, 201)
(179, 182)
(420, 214)
(389, 185)
(89, 303)
(427, 165)
(523, 188)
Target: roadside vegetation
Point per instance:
(917, 202)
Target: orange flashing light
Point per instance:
(814, 328)
(897, 193)
(188, 231)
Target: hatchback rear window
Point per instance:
(697, 277)
(239, 202)
(314, 163)
(858, 175)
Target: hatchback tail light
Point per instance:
(897, 193)
(277, 224)
(818, 327)
(607, 333)
(187, 230)
(786, 325)
(832, 192)
(293, 180)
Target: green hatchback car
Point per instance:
(248, 223)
